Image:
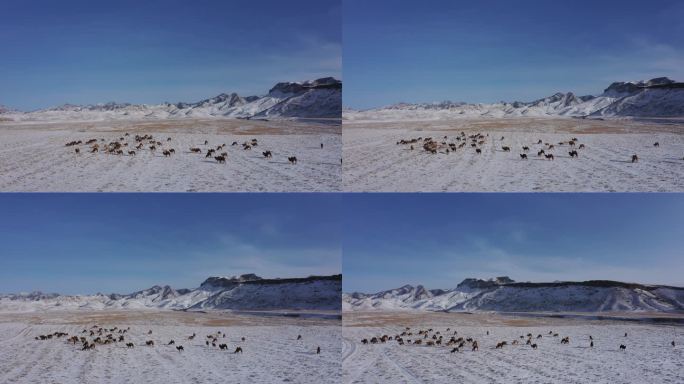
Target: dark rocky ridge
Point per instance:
(254, 279)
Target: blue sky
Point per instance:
(488, 51)
(439, 239)
(81, 51)
(88, 243)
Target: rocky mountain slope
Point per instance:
(245, 292)
(321, 98)
(659, 97)
(504, 295)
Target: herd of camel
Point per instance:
(429, 144)
(431, 338)
(97, 335)
(477, 140)
(148, 142)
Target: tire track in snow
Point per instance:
(348, 348)
(408, 374)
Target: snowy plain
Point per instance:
(33, 156)
(649, 357)
(272, 353)
(373, 161)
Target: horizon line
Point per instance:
(102, 103)
(167, 285)
(435, 102)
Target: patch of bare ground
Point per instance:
(207, 126)
(549, 125)
(422, 318)
(165, 317)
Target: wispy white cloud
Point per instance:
(642, 60)
(506, 251)
(232, 256)
(487, 259)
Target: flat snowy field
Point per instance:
(33, 157)
(272, 353)
(374, 162)
(649, 357)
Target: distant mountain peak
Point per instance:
(474, 283)
(231, 279)
(287, 89)
(421, 293)
(625, 87)
(5, 109)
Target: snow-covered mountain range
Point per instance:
(659, 97)
(245, 292)
(504, 295)
(4, 109)
(321, 98)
